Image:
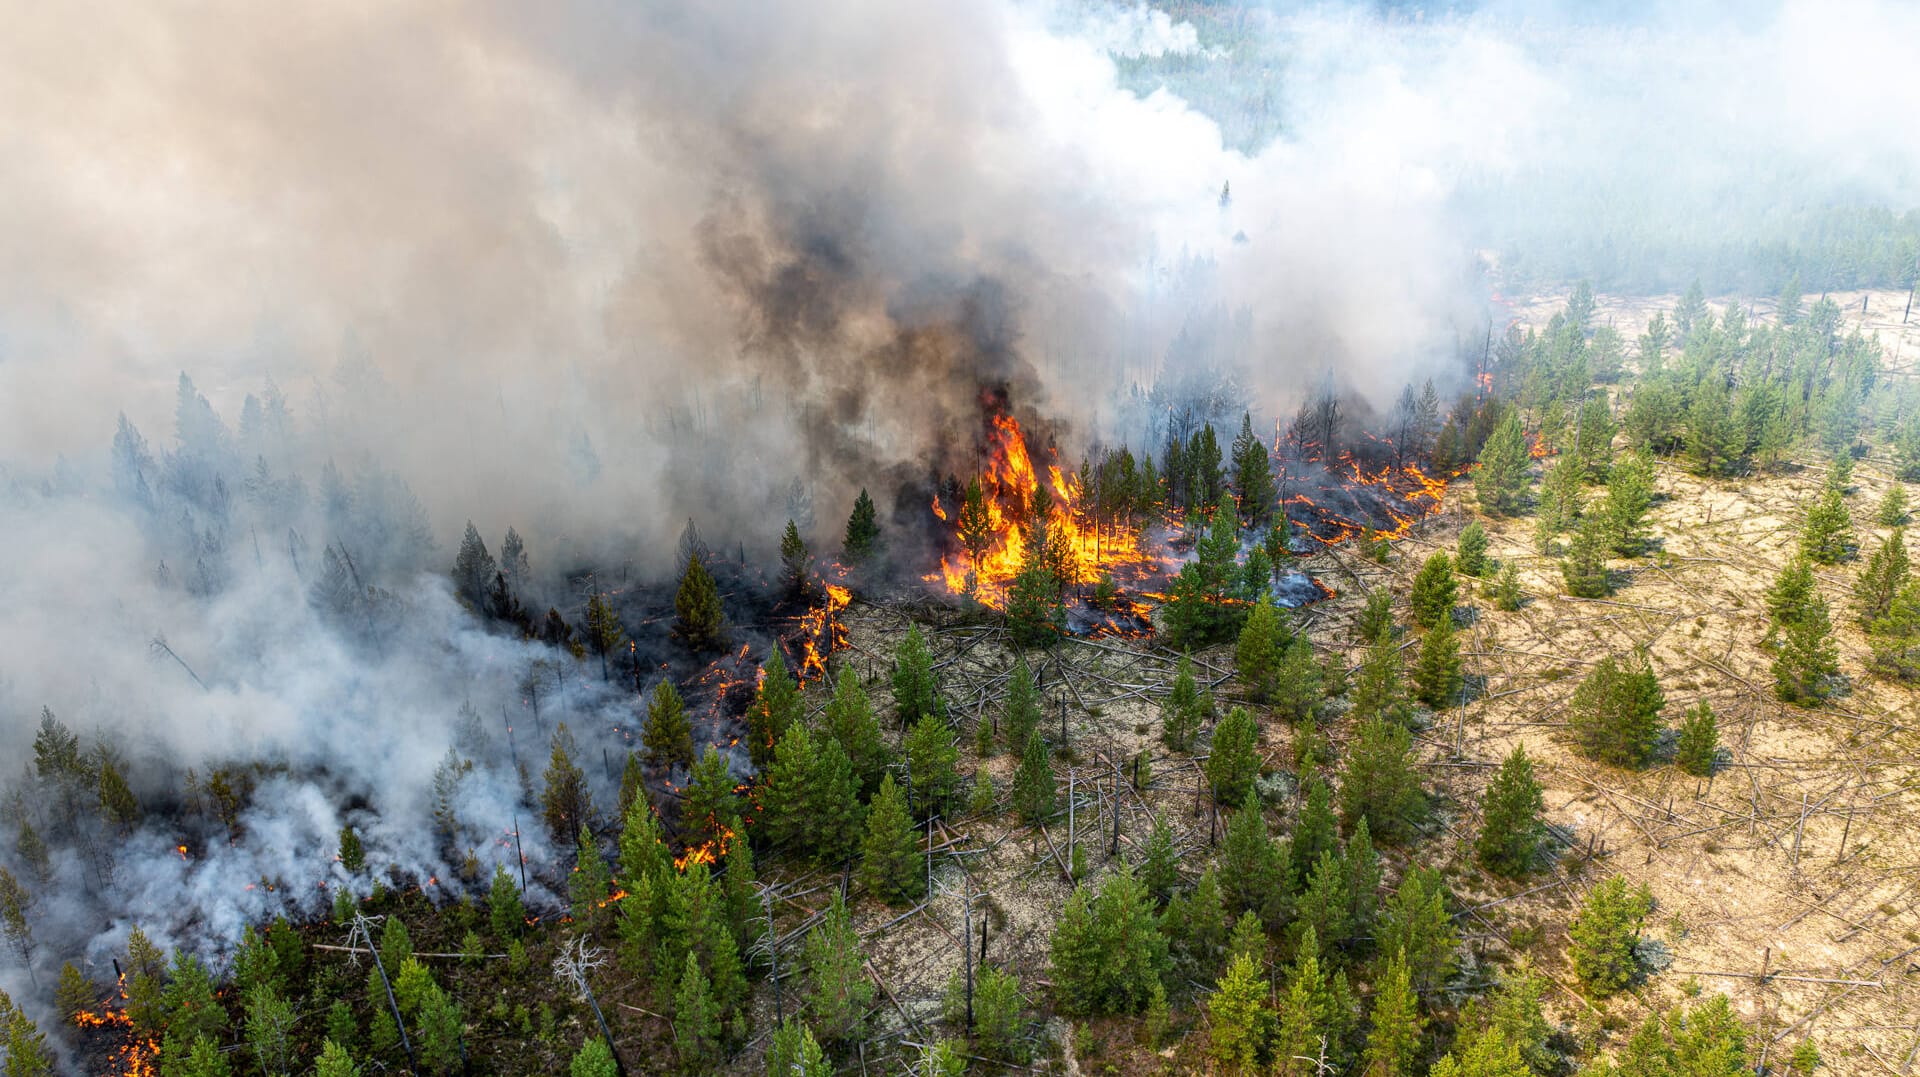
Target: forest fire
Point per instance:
(134, 1055)
(1353, 501)
(821, 632)
(1011, 511)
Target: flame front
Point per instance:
(1009, 485)
(136, 1054)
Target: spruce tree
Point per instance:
(1379, 783)
(1501, 482)
(1826, 536)
(1510, 827)
(1324, 911)
(862, 541)
(335, 1061)
(850, 721)
(698, 619)
(796, 564)
(1233, 761)
(1472, 556)
(1033, 782)
(1257, 655)
(668, 736)
(1885, 574)
(890, 864)
(1585, 568)
(1616, 712)
(1699, 741)
(914, 689)
(1310, 1021)
(1604, 934)
(776, 705)
(566, 803)
(696, 1020)
(1808, 661)
(1159, 868)
(1437, 679)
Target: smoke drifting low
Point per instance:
(592, 270)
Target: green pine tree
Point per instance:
(1239, 1016)
(1629, 493)
(1182, 711)
(1699, 741)
(1375, 618)
(1511, 827)
(838, 992)
(1616, 712)
(810, 799)
(1379, 783)
(1416, 925)
(1034, 610)
(1472, 556)
(862, 542)
(1502, 480)
(710, 799)
(1893, 507)
(1107, 950)
(1826, 536)
(696, 1019)
(914, 688)
(1604, 934)
(1379, 690)
(1791, 591)
(1435, 592)
(668, 736)
(932, 758)
(795, 1053)
(1253, 485)
(850, 721)
(1437, 677)
(1257, 655)
(505, 913)
(1507, 595)
(1394, 1041)
(699, 622)
(1886, 572)
(1585, 568)
(1033, 782)
(890, 864)
(796, 564)
(1808, 661)
(1233, 760)
(776, 705)
(1022, 706)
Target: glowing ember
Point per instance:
(135, 1055)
